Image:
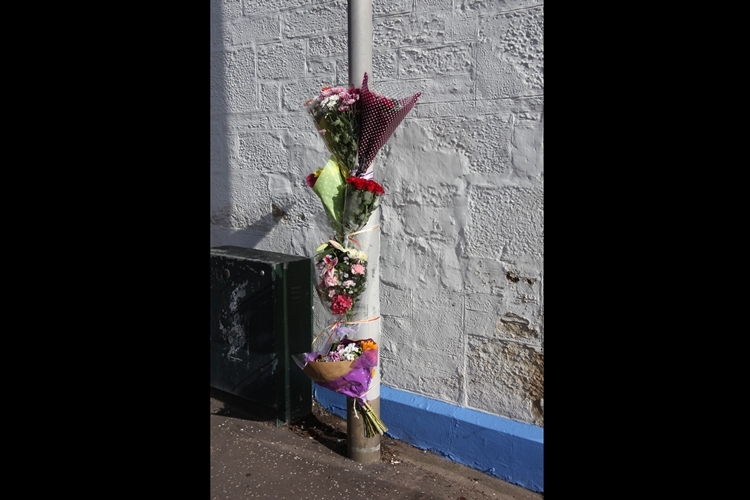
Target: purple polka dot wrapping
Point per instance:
(379, 117)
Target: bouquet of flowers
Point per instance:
(342, 273)
(362, 197)
(347, 367)
(336, 117)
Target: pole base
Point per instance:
(358, 447)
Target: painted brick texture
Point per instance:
(462, 228)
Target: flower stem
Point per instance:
(372, 423)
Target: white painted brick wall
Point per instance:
(462, 239)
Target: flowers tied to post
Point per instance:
(348, 202)
(362, 197)
(354, 124)
(336, 118)
(347, 367)
(341, 276)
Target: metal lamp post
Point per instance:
(359, 448)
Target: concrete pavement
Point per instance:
(252, 458)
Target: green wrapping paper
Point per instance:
(330, 187)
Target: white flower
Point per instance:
(356, 254)
(331, 101)
(350, 352)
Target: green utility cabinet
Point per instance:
(261, 314)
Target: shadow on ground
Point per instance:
(237, 407)
(326, 428)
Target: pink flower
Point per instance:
(347, 283)
(329, 262)
(331, 280)
(358, 269)
(329, 91)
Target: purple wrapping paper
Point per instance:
(357, 382)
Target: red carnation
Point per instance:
(357, 182)
(341, 304)
(311, 180)
(376, 188)
(361, 184)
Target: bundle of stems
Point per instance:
(372, 423)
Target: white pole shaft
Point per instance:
(361, 449)
(360, 41)
(360, 62)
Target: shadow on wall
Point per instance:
(251, 235)
(228, 224)
(220, 143)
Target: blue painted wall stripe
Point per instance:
(510, 450)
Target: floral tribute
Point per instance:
(354, 124)
(342, 273)
(348, 367)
